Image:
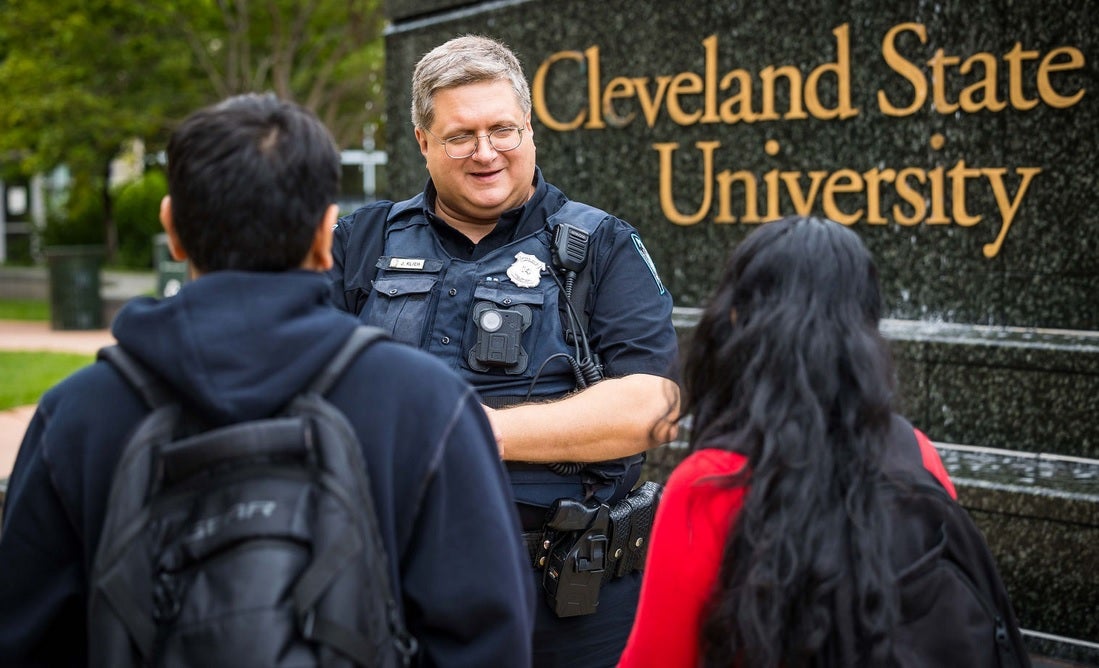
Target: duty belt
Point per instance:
(631, 521)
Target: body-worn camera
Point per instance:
(499, 337)
(577, 534)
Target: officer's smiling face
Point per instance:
(474, 191)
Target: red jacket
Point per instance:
(685, 552)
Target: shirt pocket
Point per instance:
(404, 304)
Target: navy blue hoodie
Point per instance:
(239, 345)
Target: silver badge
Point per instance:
(527, 270)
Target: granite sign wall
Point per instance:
(958, 138)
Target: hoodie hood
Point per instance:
(237, 345)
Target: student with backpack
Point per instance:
(810, 525)
(251, 477)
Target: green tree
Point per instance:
(327, 55)
(83, 77)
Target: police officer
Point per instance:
(551, 309)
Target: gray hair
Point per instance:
(464, 60)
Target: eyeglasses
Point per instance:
(463, 146)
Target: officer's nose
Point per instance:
(485, 149)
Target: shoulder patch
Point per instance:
(648, 260)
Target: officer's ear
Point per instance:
(421, 139)
(319, 257)
(175, 248)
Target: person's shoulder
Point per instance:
(607, 229)
(403, 371)
(705, 464)
(87, 415)
(89, 386)
(366, 212)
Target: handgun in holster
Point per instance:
(577, 537)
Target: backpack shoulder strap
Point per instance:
(150, 387)
(360, 338)
(903, 454)
(346, 462)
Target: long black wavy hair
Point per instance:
(787, 367)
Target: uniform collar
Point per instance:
(513, 224)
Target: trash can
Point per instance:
(170, 275)
(75, 302)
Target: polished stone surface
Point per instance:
(1045, 274)
(994, 352)
(1015, 388)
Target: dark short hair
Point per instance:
(250, 180)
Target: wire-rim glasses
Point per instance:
(462, 146)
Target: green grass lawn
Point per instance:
(24, 376)
(24, 309)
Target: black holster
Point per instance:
(587, 543)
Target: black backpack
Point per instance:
(253, 544)
(955, 610)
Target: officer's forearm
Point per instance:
(614, 418)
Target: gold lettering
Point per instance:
(1045, 88)
(938, 199)
(938, 64)
(618, 88)
(685, 83)
(958, 175)
(773, 210)
(725, 212)
(986, 87)
(833, 192)
(911, 195)
(1015, 59)
(650, 107)
(711, 115)
(768, 75)
(1007, 208)
(595, 122)
(905, 68)
(538, 93)
(803, 204)
(842, 69)
(667, 200)
(874, 178)
(738, 107)
(841, 181)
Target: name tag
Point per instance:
(406, 263)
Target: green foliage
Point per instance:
(137, 218)
(19, 251)
(89, 76)
(80, 221)
(24, 376)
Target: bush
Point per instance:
(137, 218)
(78, 221)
